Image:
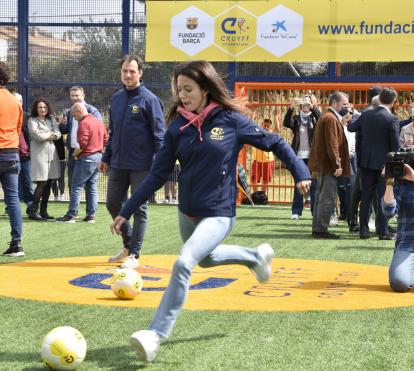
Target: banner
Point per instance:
(278, 31)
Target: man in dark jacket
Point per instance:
(379, 130)
(136, 133)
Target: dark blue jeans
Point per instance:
(372, 187)
(345, 188)
(25, 181)
(118, 183)
(9, 178)
(297, 203)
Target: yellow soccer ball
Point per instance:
(126, 283)
(63, 348)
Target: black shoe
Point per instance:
(365, 236)
(66, 219)
(15, 249)
(89, 219)
(354, 228)
(46, 216)
(387, 237)
(36, 216)
(325, 235)
(342, 217)
(392, 229)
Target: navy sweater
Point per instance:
(136, 129)
(207, 181)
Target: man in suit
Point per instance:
(379, 130)
(329, 159)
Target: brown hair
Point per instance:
(132, 57)
(207, 78)
(33, 109)
(4, 73)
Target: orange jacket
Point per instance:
(11, 118)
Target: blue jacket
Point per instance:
(207, 181)
(136, 129)
(66, 128)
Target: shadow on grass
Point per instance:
(359, 247)
(196, 338)
(292, 235)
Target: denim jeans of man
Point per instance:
(119, 181)
(297, 203)
(85, 175)
(325, 201)
(9, 178)
(401, 271)
(25, 181)
(202, 240)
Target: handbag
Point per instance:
(60, 148)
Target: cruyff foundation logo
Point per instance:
(235, 30)
(135, 109)
(296, 285)
(217, 134)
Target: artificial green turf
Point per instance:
(348, 340)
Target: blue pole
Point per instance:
(23, 51)
(232, 76)
(126, 8)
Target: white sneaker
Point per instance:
(174, 201)
(333, 222)
(131, 262)
(263, 269)
(166, 201)
(295, 217)
(119, 257)
(146, 344)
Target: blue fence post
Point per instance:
(231, 68)
(332, 71)
(23, 50)
(126, 10)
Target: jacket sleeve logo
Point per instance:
(217, 134)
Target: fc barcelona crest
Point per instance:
(192, 23)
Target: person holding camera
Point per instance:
(407, 131)
(399, 198)
(302, 125)
(379, 130)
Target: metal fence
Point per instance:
(52, 45)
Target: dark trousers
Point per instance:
(345, 189)
(297, 203)
(372, 187)
(118, 183)
(25, 181)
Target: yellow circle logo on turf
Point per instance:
(296, 285)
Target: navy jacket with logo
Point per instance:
(136, 129)
(207, 181)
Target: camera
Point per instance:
(394, 167)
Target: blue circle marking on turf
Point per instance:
(94, 281)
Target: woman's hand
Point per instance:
(408, 173)
(117, 224)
